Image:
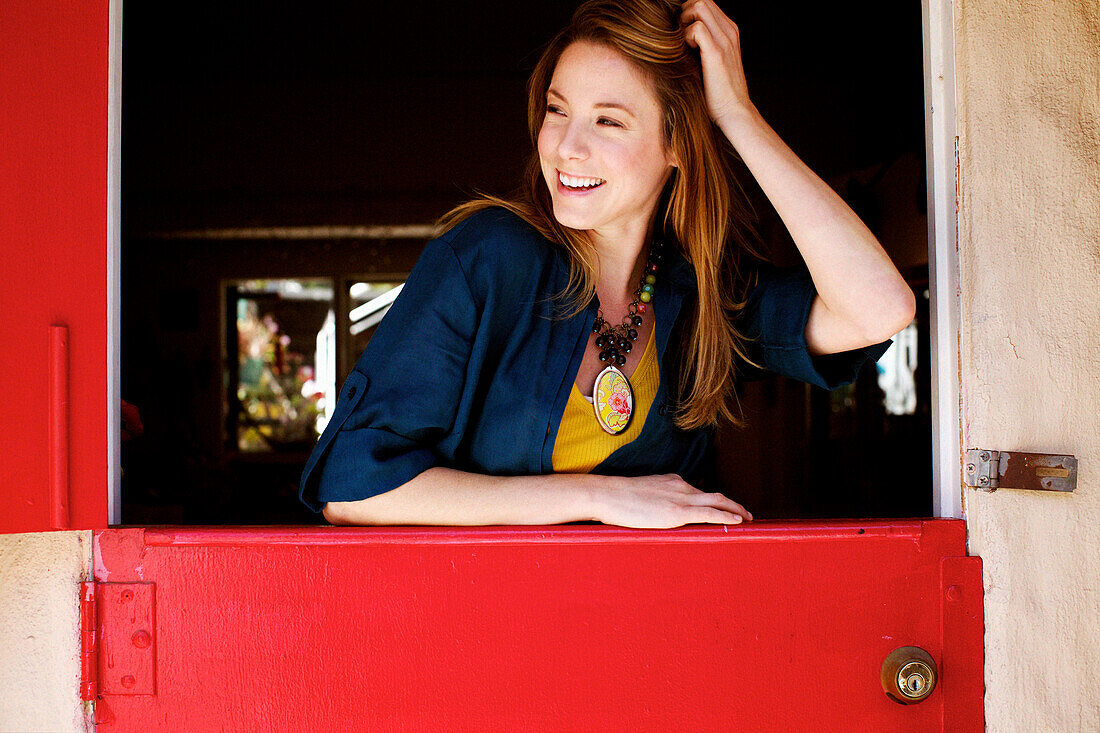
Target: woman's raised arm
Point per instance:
(862, 298)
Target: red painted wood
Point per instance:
(53, 239)
(963, 666)
(772, 626)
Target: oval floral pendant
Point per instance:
(613, 400)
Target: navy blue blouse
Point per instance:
(470, 369)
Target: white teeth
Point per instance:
(578, 182)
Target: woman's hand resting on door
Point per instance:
(661, 502)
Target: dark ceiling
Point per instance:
(281, 113)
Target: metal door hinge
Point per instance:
(117, 639)
(989, 470)
(88, 656)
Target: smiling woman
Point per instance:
(629, 230)
(607, 161)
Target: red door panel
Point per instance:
(53, 264)
(772, 626)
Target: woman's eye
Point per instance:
(553, 110)
(607, 122)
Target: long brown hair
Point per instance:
(711, 225)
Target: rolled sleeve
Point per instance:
(775, 320)
(402, 396)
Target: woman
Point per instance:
(565, 355)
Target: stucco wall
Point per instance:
(1028, 94)
(40, 578)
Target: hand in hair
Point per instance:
(718, 40)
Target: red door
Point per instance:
(767, 627)
(53, 261)
(780, 626)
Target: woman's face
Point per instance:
(600, 145)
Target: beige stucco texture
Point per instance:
(1028, 94)
(40, 577)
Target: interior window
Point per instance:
(281, 334)
(279, 175)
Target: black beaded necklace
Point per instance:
(612, 394)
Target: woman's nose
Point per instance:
(572, 144)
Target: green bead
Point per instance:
(645, 296)
(647, 288)
(650, 279)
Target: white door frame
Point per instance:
(941, 157)
(114, 264)
(937, 20)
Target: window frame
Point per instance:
(941, 158)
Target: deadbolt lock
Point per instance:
(908, 675)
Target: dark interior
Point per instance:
(244, 124)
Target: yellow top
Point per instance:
(581, 443)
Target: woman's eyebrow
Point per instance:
(599, 105)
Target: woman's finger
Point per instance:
(699, 36)
(721, 28)
(710, 515)
(723, 502)
(730, 505)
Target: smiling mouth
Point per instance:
(579, 183)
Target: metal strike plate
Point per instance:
(127, 652)
(989, 470)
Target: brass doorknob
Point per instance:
(908, 675)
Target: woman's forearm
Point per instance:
(854, 276)
(445, 496)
